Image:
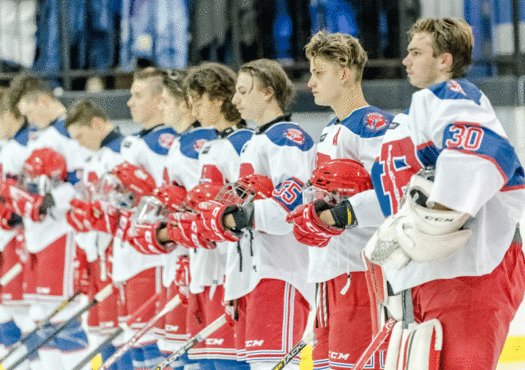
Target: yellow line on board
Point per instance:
(514, 350)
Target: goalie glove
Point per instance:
(144, 239)
(308, 228)
(417, 233)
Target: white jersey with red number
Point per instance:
(284, 152)
(219, 163)
(40, 234)
(94, 243)
(149, 150)
(182, 168)
(357, 137)
(452, 125)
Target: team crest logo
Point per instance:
(165, 140)
(375, 121)
(454, 86)
(295, 135)
(198, 144)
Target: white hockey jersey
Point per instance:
(357, 137)
(182, 168)
(40, 234)
(12, 155)
(219, 163)
(452, 125)
(95, 243)
(148, 149)
(284, 152)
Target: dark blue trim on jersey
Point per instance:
(239, 138)
(290, 134)
(289, 193)
(446, 91)
(151, 139)
(384, 200)
(189, 139)
(22, 135)
(74, 176)
(60, 125)
(355, 122)
(113, 140)
(492, 147)
(428, 154)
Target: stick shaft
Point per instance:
(294, 351)
(375, 344)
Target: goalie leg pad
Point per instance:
(421, 347)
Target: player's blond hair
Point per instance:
(339, 48)
(453, 36)
(154, 76)
(270, 74)
(218, 81)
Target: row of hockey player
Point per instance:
(246, 221)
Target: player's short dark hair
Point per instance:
(218, 81)
(339, 48)
(271, 74)
(8, 103)
(81, 112)
(453, 36)
(154, 76)
(27, 85)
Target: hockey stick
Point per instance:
(11, 274)
(203, 334)
(120, 352)
(135, 317)
(99, 297)
(39, 326)
(307, 338)
(380, 337)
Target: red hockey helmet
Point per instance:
(125, 186)
(201, 193)
(246, 189)
(335, 179)
(43, 170)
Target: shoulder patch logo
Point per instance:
(165, 140)
(375, 121)
(452, 85)
(198, 144)
(295, 135)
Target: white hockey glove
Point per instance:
(417, 233)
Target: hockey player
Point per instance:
(15, 319)
(90, 126)
(269, 291)
(148, 149)
(47, 232)
(451, 246)
(343, 326)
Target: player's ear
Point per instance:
(345, 75)
(97, 123)
(269, 93)
(445, 61)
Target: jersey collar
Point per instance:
(112, 136)
(144, 132)
(266, 126)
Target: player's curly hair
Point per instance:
(340, 48)
(82, 112)
(270, 74)
(450, 35)
(174, 81)
(218, 81)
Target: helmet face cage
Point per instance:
(313, 193)
(233, 194)
(149, 210)
(40, 185)
(110, 189)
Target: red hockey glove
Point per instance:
(182, 229)
(27, 205)
(210, 223)
(80, 215)
(5, 192)
(5, 216)
(308, 228)
(144, 239)
(107, 217)
(171, 196)
(81, 272)
(182, 278)
(124, 225)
